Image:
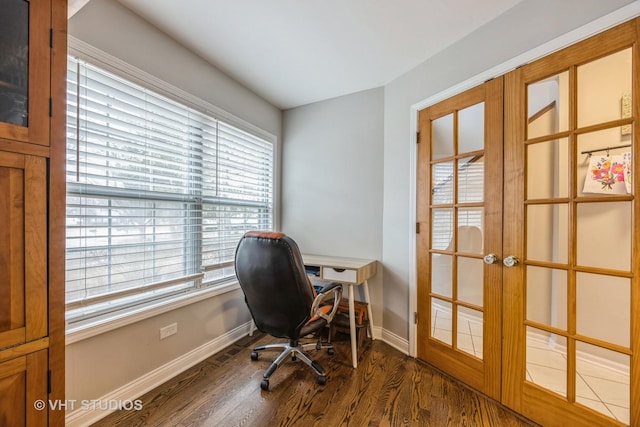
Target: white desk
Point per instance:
(350, 272)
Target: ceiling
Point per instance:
(295, 52)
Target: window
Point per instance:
(158, 194)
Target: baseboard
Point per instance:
(81, 417)
(395, 341)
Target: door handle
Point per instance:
(490, 259)
(511, 261)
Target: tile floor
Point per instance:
(604, 389)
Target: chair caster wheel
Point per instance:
(293, 357)
(331, 351)
(318, 345)
(254, 355)
(264, 384)
(322, 380)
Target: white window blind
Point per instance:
(158, 193)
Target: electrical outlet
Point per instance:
(168, 330)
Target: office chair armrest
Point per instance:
(332, 291)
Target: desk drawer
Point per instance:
(339, 274)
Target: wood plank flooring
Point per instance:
(388, 389)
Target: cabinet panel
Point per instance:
(35, 221)
(23, 381)
(13, 386)
(23, 268)
(12, 315)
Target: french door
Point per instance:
(571, 295)
(549, 290)
(460, 218)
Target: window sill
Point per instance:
(91, 329)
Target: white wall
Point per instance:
(526, 26)
(104, 363)
(332, 179)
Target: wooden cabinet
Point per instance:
(32, 198)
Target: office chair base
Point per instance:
(296, 351)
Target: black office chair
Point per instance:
(281, 298)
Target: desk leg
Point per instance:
(368, 301)
(352, 328)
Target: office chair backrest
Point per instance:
(277, 290)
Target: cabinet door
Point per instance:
(24, 70)
(23, 261)
(23, 384)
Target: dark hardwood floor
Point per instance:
(388, 389)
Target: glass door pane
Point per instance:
(602, 84)
(548, 106)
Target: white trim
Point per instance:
(395, 341)
(597, 26)
(158, 376)
(100, 326)
(377, 331)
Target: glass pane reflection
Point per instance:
(470, 226)
(442, 183)
(548, 106)
(441, 321)
(14, 62)
(441, 275)
(601, 86)
(547, 360)
(442, 229)
(471, 179)
(548, 169)
(469, 336)
(602, 380)
(604, 235)
(470, 280)
(442, 137)
(604, 172)
(546, 290)
(471, 129)
(603, 307)
(547, 232)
